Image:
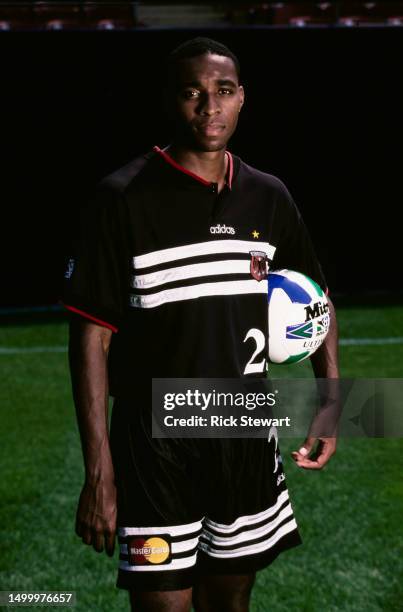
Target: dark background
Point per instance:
(323, 112)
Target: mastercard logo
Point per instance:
(151, 550)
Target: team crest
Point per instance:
(259, 265)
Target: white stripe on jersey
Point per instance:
(253, 548)
(249, 519)
(196, 291)
(175, 564)
(210, 268)
(175, 530)
(250, 534)
(210, 247)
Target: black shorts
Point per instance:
(188, 507)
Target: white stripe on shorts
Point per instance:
(175, 564)
(249, 519)
(176, 547)
(175, 530)
(253, 549)
(249, 534)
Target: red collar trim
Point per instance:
(230, 172)
(170, 160)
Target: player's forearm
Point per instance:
(325, 361)
(325, 366)
(88, 358)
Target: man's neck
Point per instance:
(209, 165)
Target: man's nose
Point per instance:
(209, 105)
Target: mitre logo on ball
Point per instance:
(315, 310)
(259, 265)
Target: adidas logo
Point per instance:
(280, 479)
(70, 268)
(221, 229)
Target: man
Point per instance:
(163, 266)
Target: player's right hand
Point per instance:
(96, 515)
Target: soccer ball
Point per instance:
(298, 316)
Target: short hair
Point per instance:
(199, 46)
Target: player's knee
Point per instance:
(161, 601)
(224, 594)
(238, 597)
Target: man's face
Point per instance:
(205, 101)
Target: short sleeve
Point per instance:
(96, 276)
(295, 250)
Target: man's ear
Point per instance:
(242, 97)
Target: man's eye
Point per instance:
(190, 93)
(226, 90)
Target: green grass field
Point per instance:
(350, 514)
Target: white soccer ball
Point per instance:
(298, 316)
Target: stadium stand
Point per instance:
(369, 13)
(16, 17)
(67, 15)
(123, 15)
(58, 16)
(190, 15)
(304, 13)
(110, 16)
(311, 14)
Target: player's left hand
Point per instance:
(314, 459)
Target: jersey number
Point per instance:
(256, 366)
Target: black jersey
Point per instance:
(179, 271)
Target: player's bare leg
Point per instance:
(161, 601)
(223, 593)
